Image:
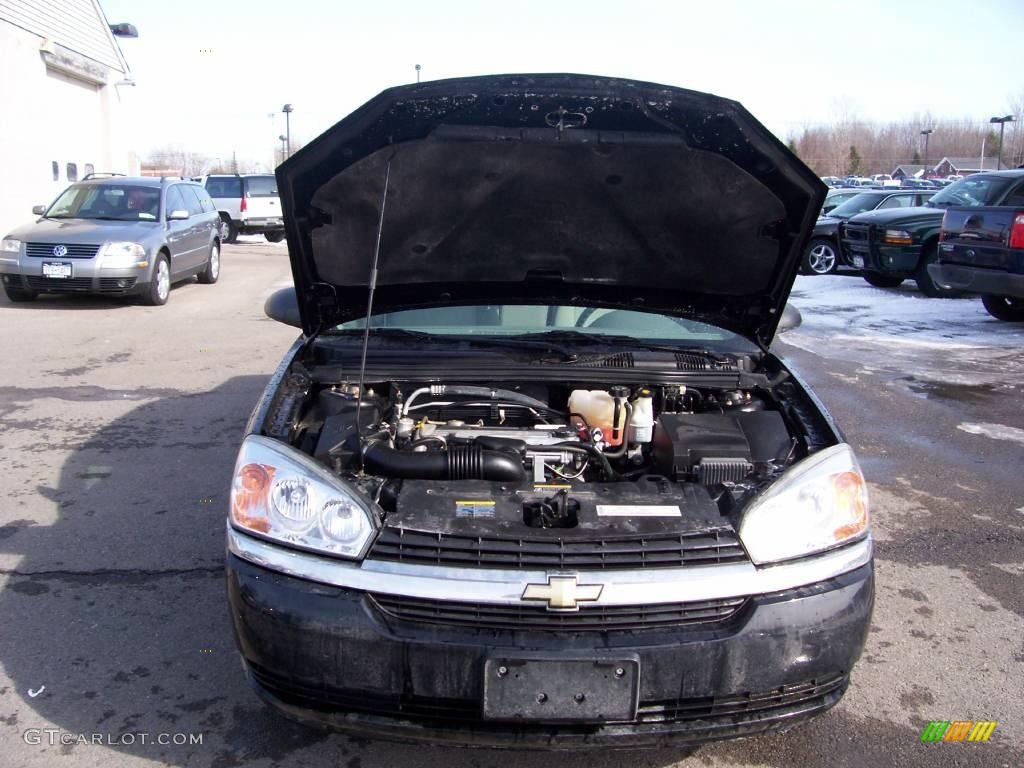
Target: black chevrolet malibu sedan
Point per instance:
(531, 475)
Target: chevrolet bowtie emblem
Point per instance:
(562, 593)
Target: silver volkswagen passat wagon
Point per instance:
(115, 235)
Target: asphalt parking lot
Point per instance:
(119, 428)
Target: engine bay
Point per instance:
(519, 458)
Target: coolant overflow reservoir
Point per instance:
(642, 424)
(598, 408)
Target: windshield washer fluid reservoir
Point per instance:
(598, 408)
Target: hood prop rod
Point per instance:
(369, 311)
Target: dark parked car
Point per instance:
(890, 246)
(909, 183)
(566, 497)
(116, 236)
(823, 254)
(836, 197)
(981, 249)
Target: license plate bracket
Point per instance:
(545, 689)
(58, 269)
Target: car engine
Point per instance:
(540, 455)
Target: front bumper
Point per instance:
(977, 280)
(331, 655)
(86, 277)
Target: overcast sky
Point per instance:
(214, 74)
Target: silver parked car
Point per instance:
(118, 235)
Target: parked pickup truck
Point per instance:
(891, 245)
(981, 250)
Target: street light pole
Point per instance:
(1002, 127)
(417, 73)
(287, 109)
(283, 139)
(926, 133)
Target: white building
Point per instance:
(63, 83)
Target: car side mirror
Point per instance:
(38, 210)
(791, 318)
(283, 306)
(179, 215)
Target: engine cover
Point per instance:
(714, 447)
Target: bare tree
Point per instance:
(177, 159)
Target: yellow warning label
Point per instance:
(474, 508)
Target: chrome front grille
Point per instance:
(75, 250)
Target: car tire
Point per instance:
(230, 231)
(924, 281)
(1001, 308)
(274, 237)
(880, 280)
(159, 288)
(19, 294)
(820, 258)
(210, 273)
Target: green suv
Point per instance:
(890, 246)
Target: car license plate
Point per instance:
(858, 261)
(525, 687)
(60, 269)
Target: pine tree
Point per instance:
(854, 161)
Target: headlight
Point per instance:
(818, 504)
(120, 255)
(897, 237)
(283, 495)
(10, 245)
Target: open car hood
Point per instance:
(549, 189)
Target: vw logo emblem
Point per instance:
(60, 251)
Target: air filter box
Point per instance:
(734, 440)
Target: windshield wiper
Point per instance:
(399, 334)
(517, 342)
(616, 340)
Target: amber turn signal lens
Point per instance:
(249, 500)
(254, 478)
(851, 500)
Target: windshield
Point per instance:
(865, 201)
(117, 202)
(517, 320)
(973, 191)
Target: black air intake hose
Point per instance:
(459, 462)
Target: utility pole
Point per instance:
(926, 133)
(287, 109)
(1002, 127)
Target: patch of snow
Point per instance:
(901, 331)
(995, 431)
